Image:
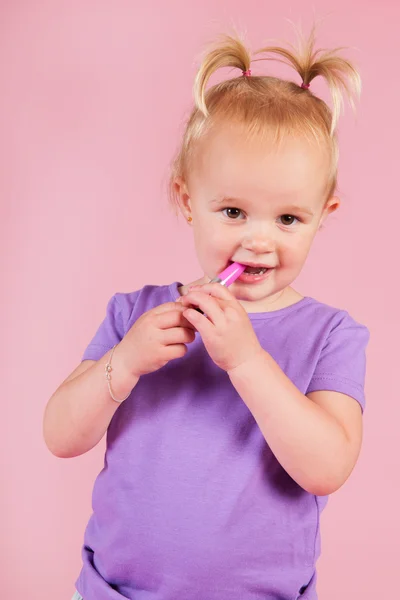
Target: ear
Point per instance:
(183, 197)
(331, 205)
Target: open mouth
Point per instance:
(255, 270)
(255, 274)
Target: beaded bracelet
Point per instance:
(108, 369)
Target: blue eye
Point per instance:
(290, 220)
(232, 213)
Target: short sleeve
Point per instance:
(110, 332)
(342, 363)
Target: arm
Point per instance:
(316, 438)
(80, 410)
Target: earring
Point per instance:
(189, 219)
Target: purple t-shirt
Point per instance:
(191, 503)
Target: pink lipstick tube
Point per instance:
(229, 275)
(226, 277)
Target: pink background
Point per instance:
(93, 94)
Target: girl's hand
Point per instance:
(158, 336)
(226, 331)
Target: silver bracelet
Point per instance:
(108, 370)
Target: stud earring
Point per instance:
(189, 219)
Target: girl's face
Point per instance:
(256, 203)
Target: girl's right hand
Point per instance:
(158, 336)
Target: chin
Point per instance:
(242, 292)
(257, 293)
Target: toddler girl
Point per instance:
(228, 428)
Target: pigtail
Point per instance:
(341, 76)
(227, 52)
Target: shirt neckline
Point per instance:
(173, 288)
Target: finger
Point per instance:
(171, 318)
(183, 322)
(163, 308)
(178, 335)
(174, 351)
(216, 290)
(180, 301)
(212, 307)
(203, 325)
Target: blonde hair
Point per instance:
(263, 103)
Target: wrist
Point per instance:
(249, 365)
(121, 380)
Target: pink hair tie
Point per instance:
(305, 86)
(247, 73)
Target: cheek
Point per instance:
(297, 248)
(210, 235)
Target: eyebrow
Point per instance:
(300, 209)
(288, 210)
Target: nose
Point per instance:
(259, 244)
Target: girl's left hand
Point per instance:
(226, 331)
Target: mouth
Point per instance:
(254, 269)
(254, 273)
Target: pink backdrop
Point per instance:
(93, 94)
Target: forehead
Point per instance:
(229, 161)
